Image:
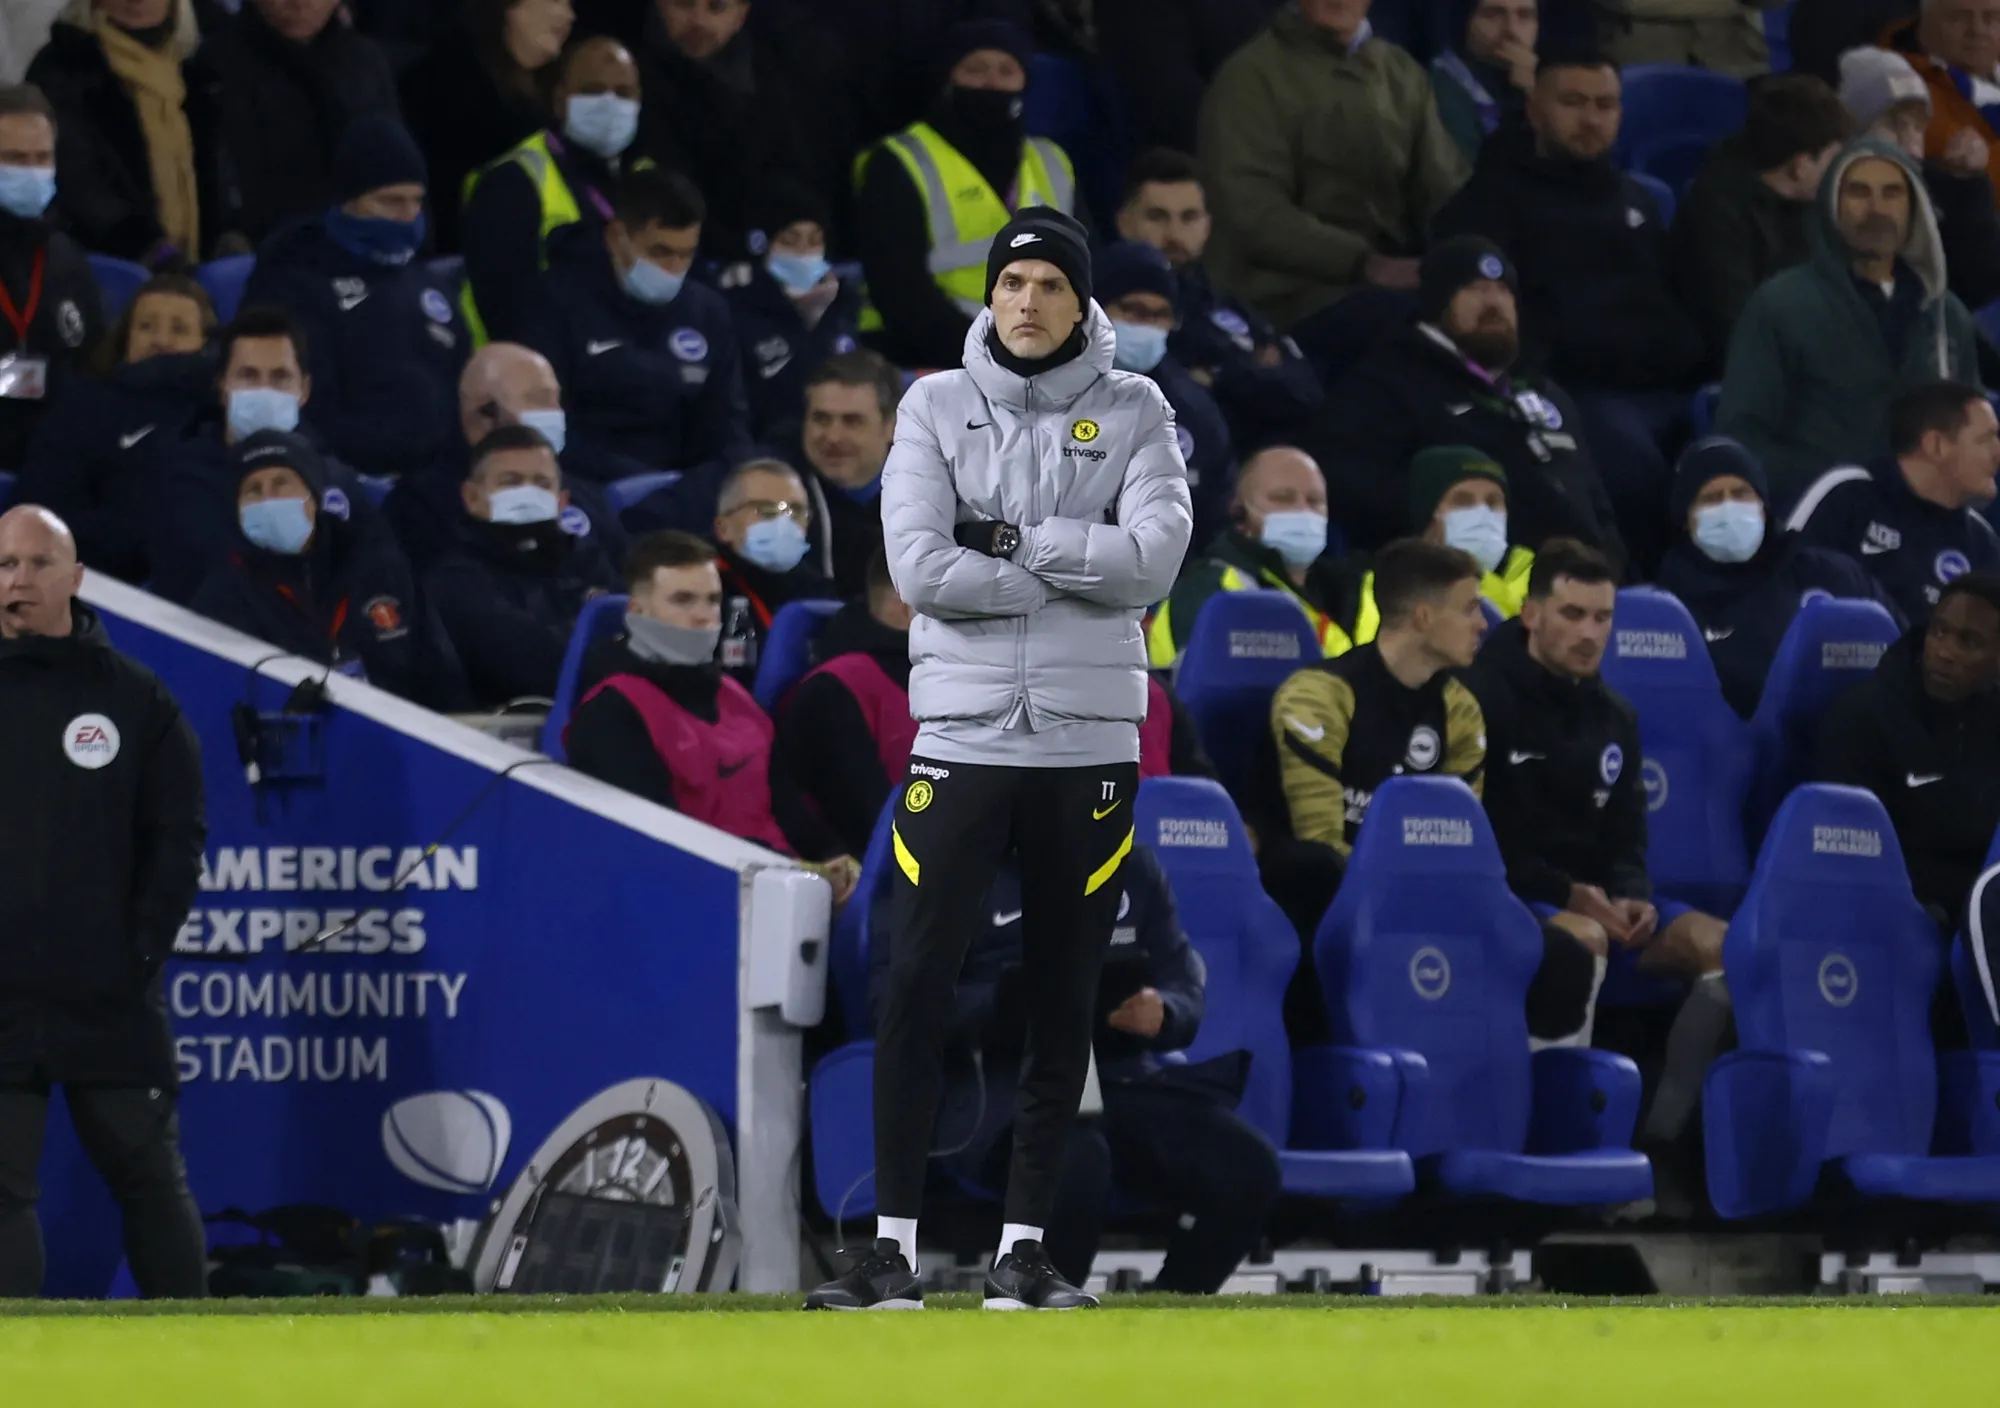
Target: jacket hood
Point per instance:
(86, 630)
(1923, 251)
(1059, 385)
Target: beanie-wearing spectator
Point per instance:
(1458, 499)
(1822, 349)
(1591, 249)
(509, 587)
(483, 89)
(1749, 212)
(292, 76)
(137, 130)
(665, 724)
(1908, 518)
(94, 460)
(1456, 379)
(732, 106)
(1724, 35)
(53, 314)
(323, 586)
(1489, 72)
(1136, 287)
(792, 311)
(646, 356)
(1740, 575)
(1954, 46)
(850, 424)
(1889, 102)
(762, 516)
(1326, 160)
(1265, 387)
(971, 157)
(563, 175)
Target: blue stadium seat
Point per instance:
(1988, 321)
(117, 280)
(1673, 114)
(847, 956)
(1243, 646)
(1249, 950)
(376, 486)
(1830, 646)
(1974, 970)
(1701, 410)
(788, 648)
(1778, 37)
(621, 494)
(223, 280)
(1662, 194)
(1832, 968)
(841, 1105)
(1426, 950)
(601, 618)
(7, 491)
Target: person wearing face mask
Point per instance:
(1138, 291)
(1276, 540)
(511, 583)
(761, 519)
(563, 175)
(646, 355)
(383, 333)
(53, 316)
(663, 723)
(792, 311)
(970, 158)
(94, 457)
(1740, 576)
(304, 580)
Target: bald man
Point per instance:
(100, 861)
(1275, 539)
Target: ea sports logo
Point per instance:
(1838, 982)
(1430, 973)
(90, 741)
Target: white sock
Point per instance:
(903, 1232)
(1015, 1232)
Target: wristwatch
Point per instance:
(1006, 538)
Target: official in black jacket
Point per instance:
(1169, 1135)
(53, 313)
(512, 581)
(101, 863)
(850, 424)
(328, 588)
(1923, 734)
(1456, 379)
(1909, 521)
(1742, 580)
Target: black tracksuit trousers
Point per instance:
(1071, 829)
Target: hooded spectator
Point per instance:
(96, 458)
(1489, 71)
(563, 175)
(850, 424)
(1741, 576)
(1823, 349)
(321, 585)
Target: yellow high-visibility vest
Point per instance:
(559, 208)
(1160, 649)
(1506, 588)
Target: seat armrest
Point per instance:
(1344, 1097)
(1583, 1099)
(1765, 1117)
(1968, 1118)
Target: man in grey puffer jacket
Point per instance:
(1035, 504)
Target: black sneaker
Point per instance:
(1025, 1279)
(880, 1280)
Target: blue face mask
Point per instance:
(552, 426)
(1479, 531)
(256, 408)
(601, 122)
(523, 503)
(799, 273)
(27, 190)
(392, 243)
(1297, 536)
(277, 525)
(775, 544)
(1729, 531)
(650, 284)
(1140, 347)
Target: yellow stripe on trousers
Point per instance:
(1110, 868)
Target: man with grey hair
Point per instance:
(762, 519)
(100, 859)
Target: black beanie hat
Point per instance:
(1711, 458)
(1043, 232)
(268, 449)
(970, 36)
(1132, 267)
(1451, 265)
(374, 152)
(783, 202)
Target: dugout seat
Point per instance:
(847, 962)
(787, 653)
(118, 280)
(1243, 646)
(621, 494)
(1673, 114)
(1249, 950)
(223, 280)
(1832, 967)
(1426, 950)
(601, 618)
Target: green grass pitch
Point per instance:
(1142, 1353)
